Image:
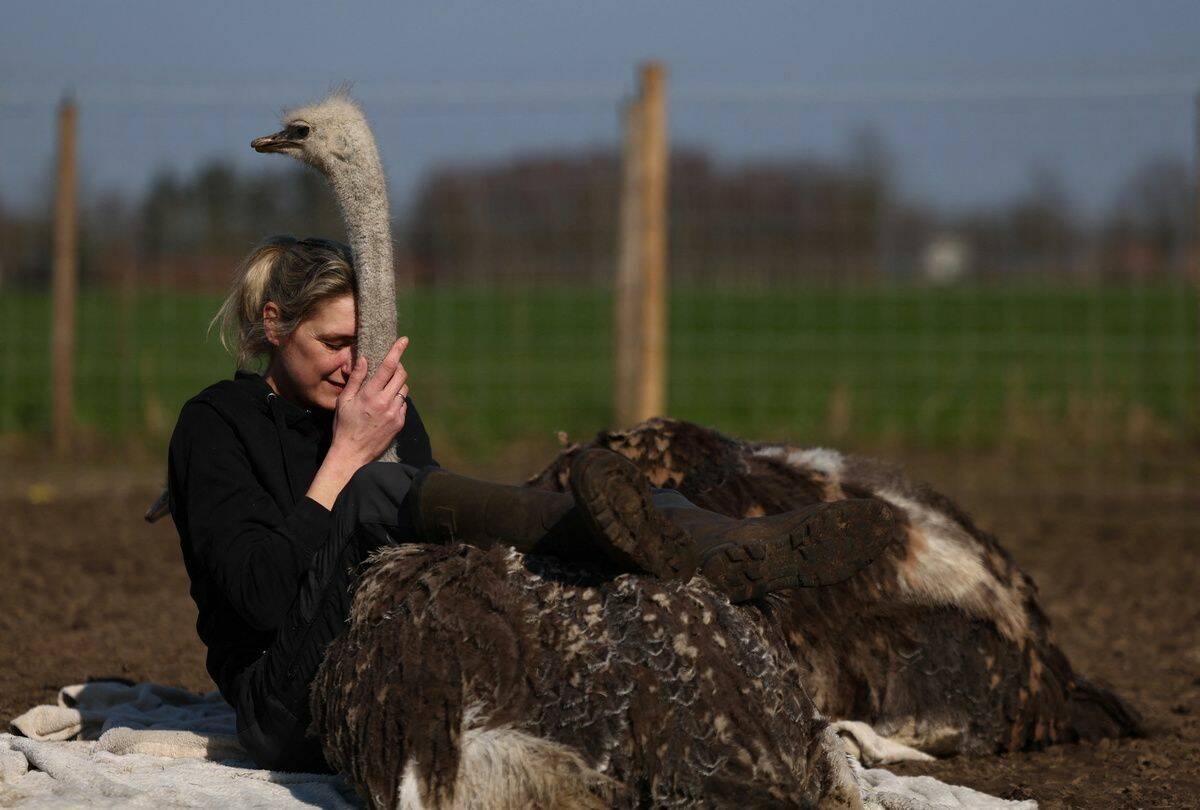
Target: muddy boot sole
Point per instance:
(820, 545)
(614, 500)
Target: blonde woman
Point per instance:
(277, 501)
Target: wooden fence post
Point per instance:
(1195, 257)
(640, 319)
(627, 322)
(65, 283)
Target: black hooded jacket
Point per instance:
(240, 460)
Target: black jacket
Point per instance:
(240, 460)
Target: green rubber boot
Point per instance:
(449, 508)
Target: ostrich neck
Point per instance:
(361, 194)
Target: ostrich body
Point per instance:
(493, 680)
(333, 137)
(940, 644)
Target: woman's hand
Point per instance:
(369, 414)
(371, 411)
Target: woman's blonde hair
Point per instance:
(297, 274)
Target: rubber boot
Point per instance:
(744, 558)
(450, 508)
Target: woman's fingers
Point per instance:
(403, 400)
(399, 374)
(387, 369)
(398, 381)
(397, 403)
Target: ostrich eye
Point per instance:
(300, 131)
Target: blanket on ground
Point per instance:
(109, 744)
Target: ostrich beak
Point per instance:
(273, 143)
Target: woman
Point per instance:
(277, 502)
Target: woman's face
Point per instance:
(312, 364)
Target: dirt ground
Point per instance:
(90, 591)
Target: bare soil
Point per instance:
(90, 590)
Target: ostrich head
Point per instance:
(331, 135)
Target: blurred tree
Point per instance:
(24, 247)
(554, 216)
(1149, 230)
(1042, 233)
(201, 225)
(1034, 235)
(535, 217)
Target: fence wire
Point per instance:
(991, 287)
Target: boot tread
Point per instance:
(819, 547)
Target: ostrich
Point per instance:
(488, 679)
(940, 644)
(469, 676)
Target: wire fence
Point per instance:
(993, 282)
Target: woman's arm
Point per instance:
(229, 524)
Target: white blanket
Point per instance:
(106, 744)
(148, 746)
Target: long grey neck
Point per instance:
(361, 192)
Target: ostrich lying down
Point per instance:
(490, 679)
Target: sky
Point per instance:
(970, 97)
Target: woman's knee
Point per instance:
(375, 491)
(377, 475)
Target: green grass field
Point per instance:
(490, 366)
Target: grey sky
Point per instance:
(969, 95)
